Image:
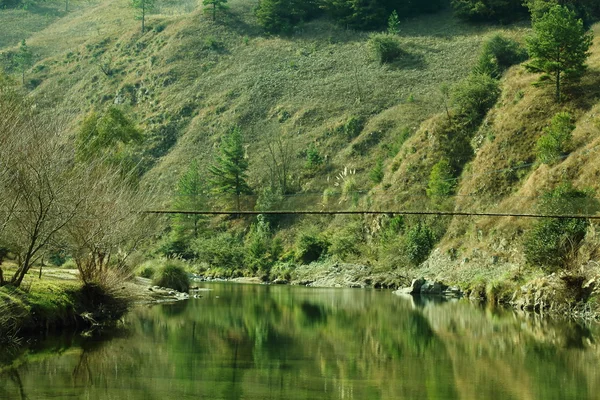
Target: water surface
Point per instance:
(265, 342)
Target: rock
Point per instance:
(416, 285)
(280, 281)
(433, 287)
(453, 292)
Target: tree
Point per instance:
(559, 46)
(42, 189)
(556, 139)
(277, 16)
(216, 5)
(489, 10)
(24, 59)
(145, 7)
(280, 162)
(108, 136)
(393, 24)
(190, 196)
(553, 243)
(108, 226)
(229, 171)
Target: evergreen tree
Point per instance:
(559, 46)
(145, 7)
(216, 5)
(229, 171)
(489, 10)
(190, 196)
(24, 59)
(393, 24)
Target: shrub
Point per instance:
(499, 53)
(172, 274)
(556, 139)
(148, 268)
(353, 126)
(474, 97)
(419, 242)
(345, 242)
(377, 173)
(270, 199)
(441, 181)
(553, 243)
(222, 250)
(313, 157)
(384, 47)
(310, 246)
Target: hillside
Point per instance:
(188, 80)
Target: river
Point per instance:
(280, 342)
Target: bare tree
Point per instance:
(280, 161)
(110, 225)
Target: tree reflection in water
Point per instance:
(257, 342)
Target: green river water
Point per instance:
(280, 342)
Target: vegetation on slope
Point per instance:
(324, 124)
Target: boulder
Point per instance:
(433, 287)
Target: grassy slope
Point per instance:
(490, 248)
(193, 79)
(198, 78)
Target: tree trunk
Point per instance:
(1, 278)
(558, 97)
(214, 12)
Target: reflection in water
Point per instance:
(260, 342)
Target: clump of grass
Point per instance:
(148, 268)
(385, 47)
(172, 275)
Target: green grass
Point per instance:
(195, 78)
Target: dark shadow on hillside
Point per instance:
(584, 94)
(236, 22)
(409, 61)
(46, 10)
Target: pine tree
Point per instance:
(559, 46)
(24, 59)
(190, 196)
(145, 6)
(229, 171)
(394, 24)
(216, 5)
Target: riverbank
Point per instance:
(568, 293)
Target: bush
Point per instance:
(489, 10)
(313, 157)
(441, 181)
(474, 97)
(222, 250)
(553, 243)
(172, 275)
(148, 268)
(353, 126)
(310, 246)
(499, 53)
(419, 242)
(384, 47)
(377, 173)
(346, 242)
(556, 139)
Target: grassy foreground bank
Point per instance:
(53, 303)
